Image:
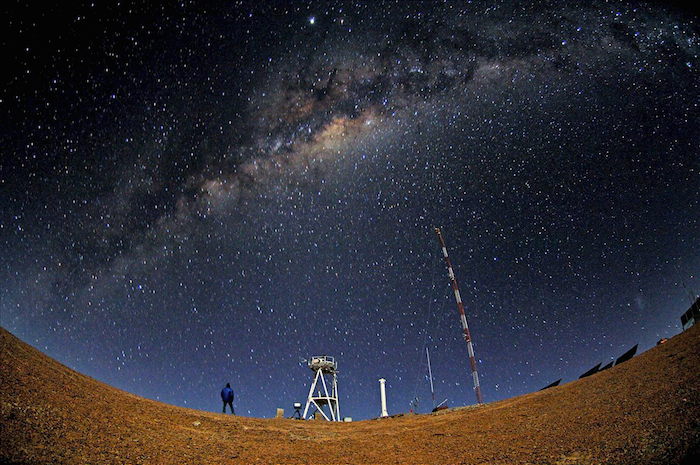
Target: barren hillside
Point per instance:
(646, 411)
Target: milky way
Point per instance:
(198, 195)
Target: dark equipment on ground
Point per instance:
(297, 411)
(590, 372)
(627, 355)
(609, 365)
(555, 383)
(441, 406)
(692, 315)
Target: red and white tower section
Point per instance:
(462, 317)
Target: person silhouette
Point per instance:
(227, 398)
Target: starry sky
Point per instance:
(197, 193)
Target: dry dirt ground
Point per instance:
(645, 411)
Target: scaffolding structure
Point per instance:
(324, 401)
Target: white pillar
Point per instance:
(382, 390)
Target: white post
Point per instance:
(382, 390)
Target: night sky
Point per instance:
(202, 193)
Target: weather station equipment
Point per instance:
(323, 394)
(297, 411)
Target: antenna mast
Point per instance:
(462, 317)
(430, 373)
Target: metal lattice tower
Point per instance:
(325, 375)
(462, 317)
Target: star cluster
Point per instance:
(196, 195)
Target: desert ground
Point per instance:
(645, 411)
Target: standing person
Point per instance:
(227, 397)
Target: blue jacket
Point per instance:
(227, 394)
